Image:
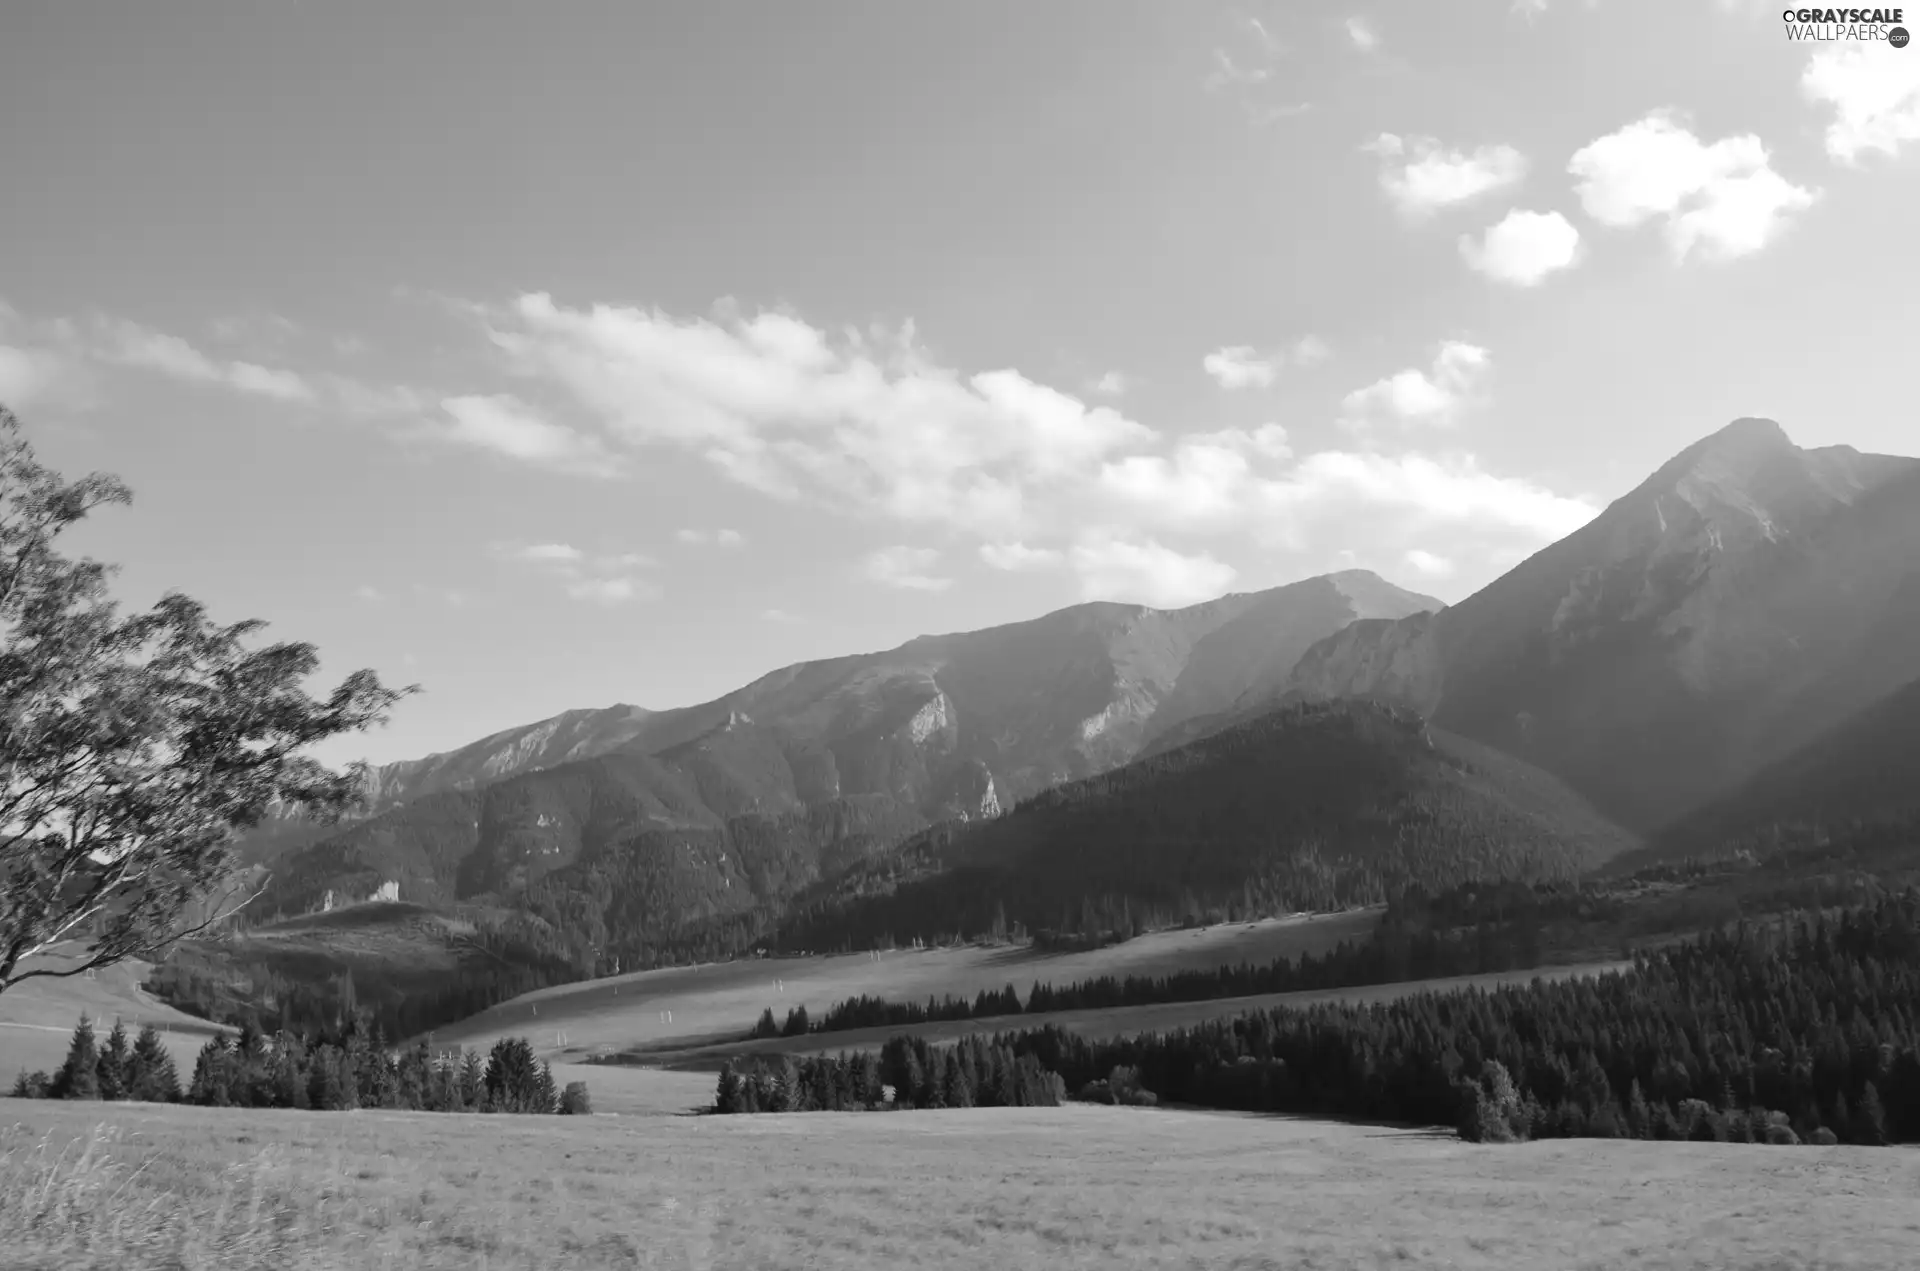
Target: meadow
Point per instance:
(37, 1019)
(716, 1003)
(88, 1187)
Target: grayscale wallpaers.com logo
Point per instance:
(1827, 25)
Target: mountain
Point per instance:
(1311, 806)
(1865, 770)
(1742, 599)
(570, 735)
(950, 725)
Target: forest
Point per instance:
(1799, 1031)
(907, 1073)
(335, 1070)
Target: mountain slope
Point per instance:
(1313, 806)
(1746, 595)
(1865, 769)
(571, 735)
(943, 727)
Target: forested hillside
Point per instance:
(1311, 807)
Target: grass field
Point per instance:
(1081, 1186)
(1112, 1022)
(719, 1002)
(37, 1019)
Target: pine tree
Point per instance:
(151, 1076)
(726, 1096)
(1870, 1118)
(114, 1058)
(79, 1076)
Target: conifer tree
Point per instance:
(79, 1076)
(151, 1076)
(114, 1058)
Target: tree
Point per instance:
(151, 1075)
(114, 1058)
(133, 748)
(79, 1076)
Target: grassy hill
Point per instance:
(37, 1017)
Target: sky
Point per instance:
(563, 355)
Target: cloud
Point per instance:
(867, 423)
(1435, 396)
(1430, 565)
(1147, 572)
(605, 578)
(1523, 248)
(1228, 74)
(369, 594)
(1019, 558)
(1241, 366)
(508, 427)
(724, 538)
(1723, 199)
(131, 344)
(1422, 177)
(29, 376)
(1874, 90)
(780, 616)
(1362, 34)
(905, 568)
(1112, 384)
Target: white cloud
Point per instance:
(1239, 367)
(1363, 34)
(369, 594)
(1429, 564)
(1146, 572)
(723, 537)
(30, 375)
(1112, 384)
(611, 591)
(1874, 90)
(1523, 247)
(1422, 177)
(869, 424)
(780, 616)
(508, 427)
(1242, 366)
(1310, 350)
(1018, 557)
(906, 568)
(1227, 73)
(1435, 396)
(607, 578)
(131, 344)
(1724, 199)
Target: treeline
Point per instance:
(1807, 1034)
(907, 1073)
(329, 1072)
(1474, 929)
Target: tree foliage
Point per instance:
(133, 747)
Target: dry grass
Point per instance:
(87, 1187)
(720, 1001)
